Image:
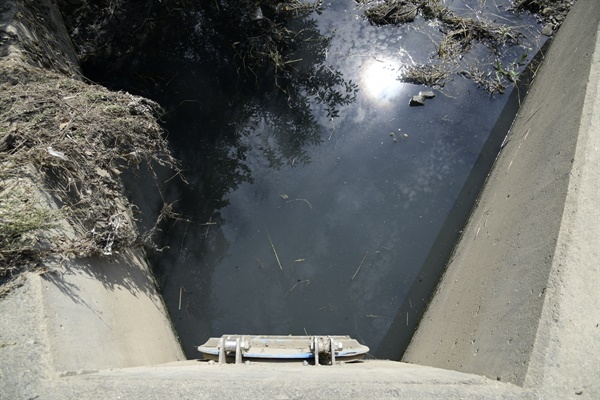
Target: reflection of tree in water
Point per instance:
(282, 56)
(272, 81)
(222, 69)
(229, 81)
(278, 108)
(251, 49)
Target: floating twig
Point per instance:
(304, 200)
(299, 260)
(375, 316)
(260, 262)
(360, 265)
(180, 292)
(208, 224)
(274, 251)
(294, 287)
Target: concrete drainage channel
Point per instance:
(515, 315)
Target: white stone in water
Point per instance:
(417, 101)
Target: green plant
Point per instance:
(22, 221)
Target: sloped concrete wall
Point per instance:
(485, 313)
(32, 31)
(99, 312)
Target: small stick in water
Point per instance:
(360, 265)
(304, 200)
(274, 251)
(294, 287)
(180, 292)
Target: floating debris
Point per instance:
(360, 265)
(419, 100)
(307, 281)
(274, 251)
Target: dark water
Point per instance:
(304, 215)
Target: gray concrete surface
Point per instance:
(531, 231)
(519, 302)
(106, 314)
(33, 32)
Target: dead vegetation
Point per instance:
(434, 75)
(459, 34)
(547, 11)
(70, 140)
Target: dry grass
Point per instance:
(433, 75)
(267, 39)
(77, 139)
(488, 81)
(459, 34)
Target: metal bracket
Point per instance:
(321, 349)
(229, 345)
(326, 346)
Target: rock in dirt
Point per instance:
(548, 30)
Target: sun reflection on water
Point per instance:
(379, 80)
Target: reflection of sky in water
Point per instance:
(361, 193)
(379, 81)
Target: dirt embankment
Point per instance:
(63, 145)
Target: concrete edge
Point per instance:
(568, 337)
(484, 316)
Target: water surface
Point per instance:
(306, 216)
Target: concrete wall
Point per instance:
(106, 313)
(99, 313)
(485, 313)
(32, 31)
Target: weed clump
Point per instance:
(22, 221)
(69, 141)
(459, 34)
